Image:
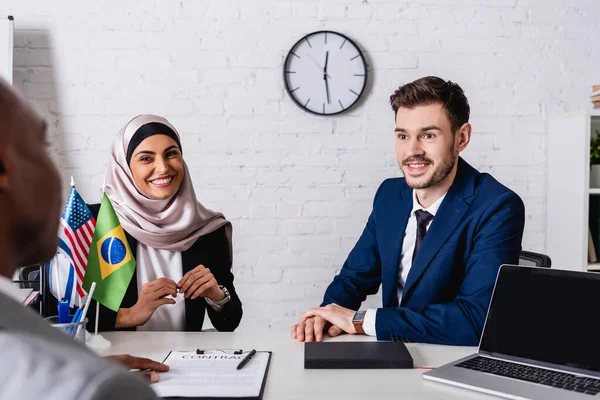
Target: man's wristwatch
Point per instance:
(222, 302)
(357, 321)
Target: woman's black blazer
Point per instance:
(210, 250)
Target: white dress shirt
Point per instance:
(408, 247)
(40, 362)
(153, 264)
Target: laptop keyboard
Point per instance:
(526, 373)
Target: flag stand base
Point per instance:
(97, 343)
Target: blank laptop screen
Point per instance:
(546, 315)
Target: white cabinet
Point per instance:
(568, 186)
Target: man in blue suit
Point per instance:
(435, 238)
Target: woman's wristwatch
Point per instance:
(222, 302)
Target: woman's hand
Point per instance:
(200, 282)
(154, 294)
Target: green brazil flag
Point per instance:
(110, 263)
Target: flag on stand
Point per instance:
(110, 264)
(75, 233)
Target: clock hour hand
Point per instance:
(314, 61)
(325, 77)
(317, 64)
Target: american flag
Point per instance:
(75, 235)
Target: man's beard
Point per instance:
(439, 174)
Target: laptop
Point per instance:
(540, 339)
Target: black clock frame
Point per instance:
(289, 90)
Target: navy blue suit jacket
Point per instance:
(478, 227)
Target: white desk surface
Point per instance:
(287, 378)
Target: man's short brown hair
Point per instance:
(430, 90)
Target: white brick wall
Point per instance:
(298, 187)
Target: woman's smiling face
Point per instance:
(157, 166)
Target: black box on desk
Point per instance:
(356, 355)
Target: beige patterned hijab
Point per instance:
(171, 224)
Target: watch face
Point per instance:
(359, 316)
(325, 73)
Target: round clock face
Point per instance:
(325, 73)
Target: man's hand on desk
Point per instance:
(309, 329)
(338, 316)
(315, 322)
(149, 369)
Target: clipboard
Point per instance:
(217, 364)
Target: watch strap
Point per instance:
(221, 302)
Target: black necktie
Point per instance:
(423, 218)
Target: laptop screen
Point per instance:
(546, 315)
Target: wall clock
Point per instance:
(325, 73)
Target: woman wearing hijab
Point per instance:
(183, 251)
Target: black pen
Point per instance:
(246, 359)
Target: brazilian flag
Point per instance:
(110, 263)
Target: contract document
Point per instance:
(214, 374)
